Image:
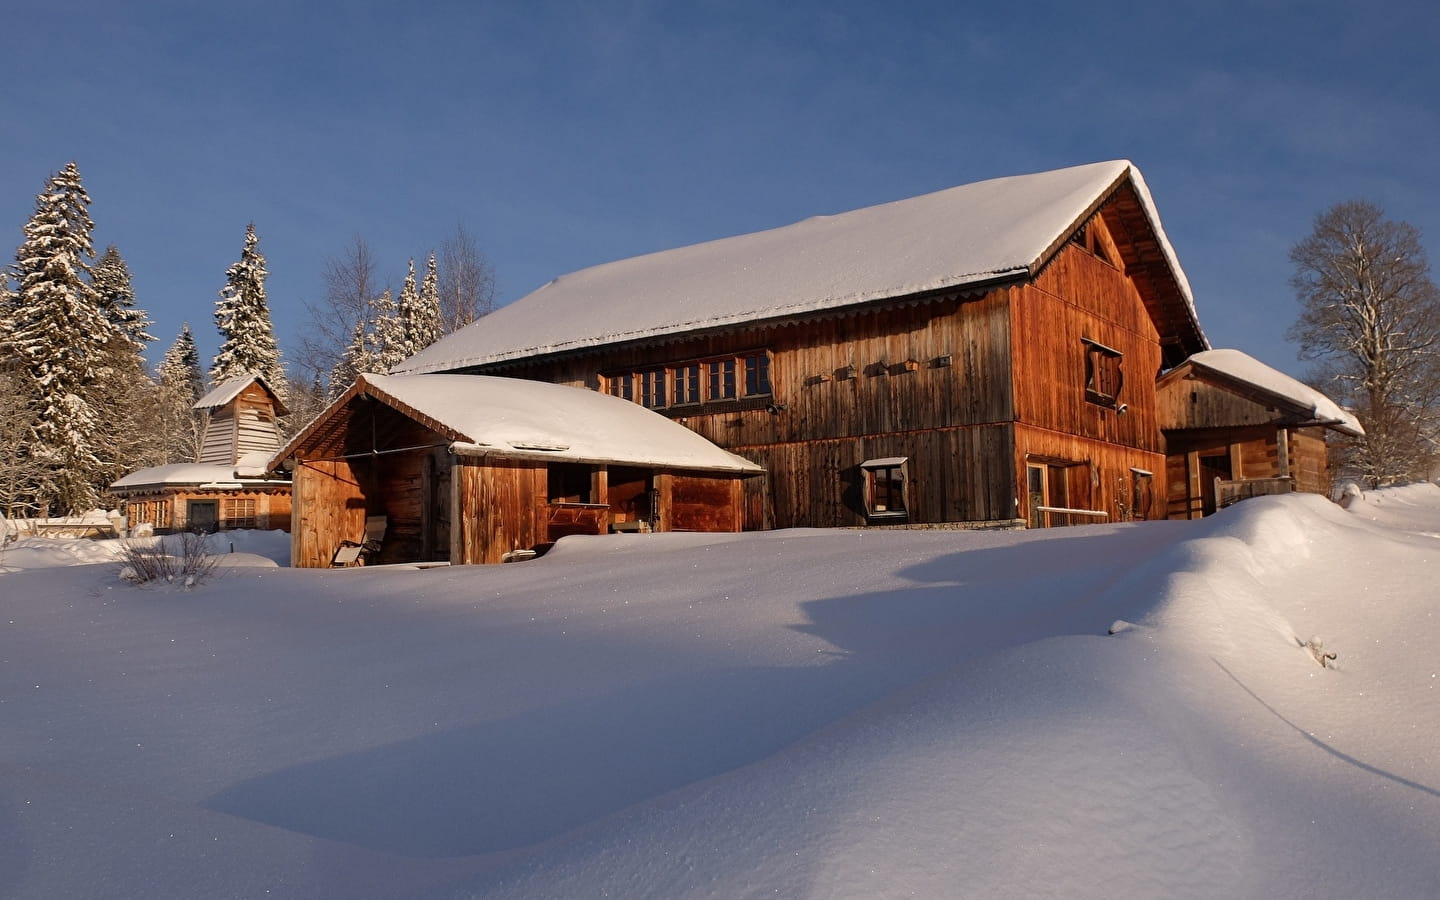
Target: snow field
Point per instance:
(799, 714)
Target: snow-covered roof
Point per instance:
(1242, 368)
(250, 472)
(226, 391)
(963, 236)
(485, 414)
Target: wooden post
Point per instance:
(1282, 452)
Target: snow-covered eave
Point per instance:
(146, 487)
(849, 304)
(740, 466)
(1303, 415)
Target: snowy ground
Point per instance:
(793, 714)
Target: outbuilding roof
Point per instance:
(228, 390)
(989, 231)
(485, 415)
(251, 471)
(1247, 373)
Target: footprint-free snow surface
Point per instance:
(797, 714)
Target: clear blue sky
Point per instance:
(565, 134)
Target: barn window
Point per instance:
(757, 375)
(1103, 377)
(622, 385)
(722, 379)
(240, 513)
(885, 481)
(652, 389)
(687, 383)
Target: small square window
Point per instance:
(885, 487)
(1103, 377)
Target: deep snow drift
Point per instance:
(796, 714)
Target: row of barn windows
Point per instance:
(695, 382)
(235, 512)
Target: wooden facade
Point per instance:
(175, 508)
(983, 394)
(1228, 439)
(448, 498)
(228, 486)
(242, 417)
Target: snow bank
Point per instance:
(799, 713)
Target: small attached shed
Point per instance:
(471, 468)
(1236, 428)
(229, 485)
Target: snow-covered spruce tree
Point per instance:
(180, 385)
(357, 358)
(126, 392)
(56, 338)
(20, 470)
(429, 320)
(1370, 316)
(242, 314)
(111, 278)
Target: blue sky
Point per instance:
(565, 134)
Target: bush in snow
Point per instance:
(148, 562)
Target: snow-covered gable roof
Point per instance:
(227, 391)
(513, 417)
(963, 236)
(1241, 368)
(250, 471)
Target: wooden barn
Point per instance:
(473, 469)
(229, 485)
(985, 355)
(1236, 428)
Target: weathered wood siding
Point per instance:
(245, 424)
(698, 503)
(1310, 460)
(499, 508)
(1192, 403)
(329, 507)
(1102, 477)
(927, 380)
(1079, 297)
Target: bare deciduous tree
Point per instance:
(466, 281)
(351, 283)
(1370, 316)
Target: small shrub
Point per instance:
(150, 562)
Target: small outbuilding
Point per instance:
(482, 469)
(1236, 428)
(229, 485)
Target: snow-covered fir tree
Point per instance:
(358, 357)
(126, 392)
(181, 383)
(56, 336)
(111, 277)
(429, 324)
(242, 315)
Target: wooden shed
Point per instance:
(229, 485)
(1236, 428)
(478, 469)
(985, 355)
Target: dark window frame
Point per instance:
(887, 487)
